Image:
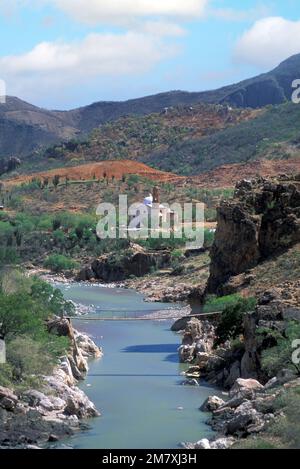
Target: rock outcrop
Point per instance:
(261, 221)
(250, 409)
(198, 341)
(222, 366)
(135, 261)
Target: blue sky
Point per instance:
(67, 53)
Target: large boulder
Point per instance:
(245, 418)
(77, 403)
(45, 403)
(202, 444)
(87, 346)
(212, 403)
(245, 388)
(8, 400)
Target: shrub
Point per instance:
(45, 223)
(231, 323)
(214, 304)
(210, 214)
(59, 237)
(287, 427)
(176, 254)
(209, 237)
(8, 256)
(6, 233)
(60, 263)
(28, 360)
(281, 356)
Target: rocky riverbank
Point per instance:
(35, 418)
(237, 368)
(255, 245)
(249, 410)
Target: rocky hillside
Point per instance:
(228, 175)
(262, 221)
(26, 128)
(134, 137)
(269, 88)
(273, 134)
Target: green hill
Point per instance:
(274, 134)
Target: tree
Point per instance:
(17, 315)
(56, 180)
(231, 323)
(24, 311)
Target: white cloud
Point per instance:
(268, 42)
(97, 54)
(123, 11)
(119, 12)
(53, 69)
(99, 57)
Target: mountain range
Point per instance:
(25, 128)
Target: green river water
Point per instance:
(137, 384)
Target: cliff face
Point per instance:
(261, 221)
(134, 261)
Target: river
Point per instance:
(137, 384)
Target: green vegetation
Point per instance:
(215, 304)
(209, 237)
(25, 236)
(25, 306)
(287, 428)
(231, 322)
(272, 134)
(59, 263)
(123, 139)
(284, 432)
(255, 443)
(42, 223)
(280, 356)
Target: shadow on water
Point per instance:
(151, 348)
(172, 358)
